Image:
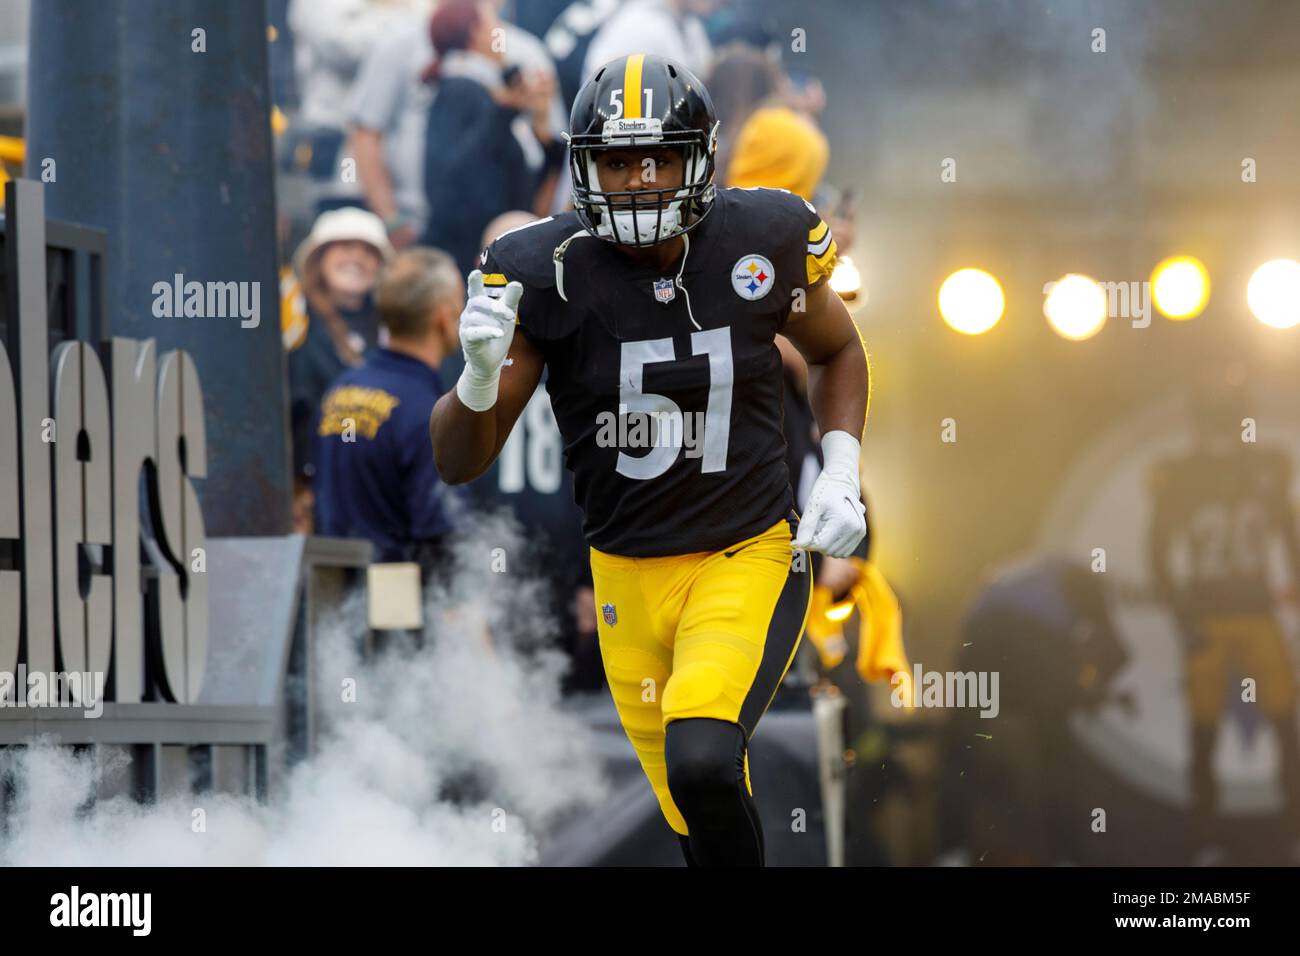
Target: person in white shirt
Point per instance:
(331, 40)
(667, 28)
(388, 111)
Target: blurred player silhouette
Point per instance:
(1222, 521)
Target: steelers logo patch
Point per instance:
(753, 277)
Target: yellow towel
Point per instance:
(880, 647)
(880, 636)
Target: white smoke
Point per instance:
(453, 753)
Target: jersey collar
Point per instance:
(704, 238)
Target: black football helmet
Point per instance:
(638, 101)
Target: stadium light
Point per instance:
(971, 301)
(1075, 307)
(1180, 287)
(1273, 293)
(846, 281)
(840, 612)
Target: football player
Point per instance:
(653, 306)
(1221, 513)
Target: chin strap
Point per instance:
(558, 256)
(686, 239)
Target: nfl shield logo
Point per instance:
(611, 616)
(664, 290)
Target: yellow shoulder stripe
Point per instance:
(819, 240)
(819, 267)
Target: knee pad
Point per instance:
(696, 691)
(706, 766)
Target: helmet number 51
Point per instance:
(616, 103)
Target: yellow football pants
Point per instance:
(698, 635)
(1250, 645)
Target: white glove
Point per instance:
(834, 521)
(487, 326)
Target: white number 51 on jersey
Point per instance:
(716, 344)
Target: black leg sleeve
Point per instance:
(706, 776)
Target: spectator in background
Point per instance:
(669, 28)
(331, 39)
(375, 473)
(742, 79)
(770, 137)
(751, 23)
(329, 322)
(489, 140)
(778, 147)
(569, 35)
(388, 111)
(536, 16)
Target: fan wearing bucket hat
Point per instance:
(329, 318)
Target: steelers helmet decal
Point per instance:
(637, 102)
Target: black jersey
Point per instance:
(668, 389)
(1217, 520)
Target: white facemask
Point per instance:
(633, 227)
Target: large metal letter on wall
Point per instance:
(26, 250)
(10, 522)
(82, 507)
(133, 444)
(182, 453)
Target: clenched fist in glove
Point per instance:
(487, 327)
(834, 521)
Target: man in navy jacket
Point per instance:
(375, 473)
